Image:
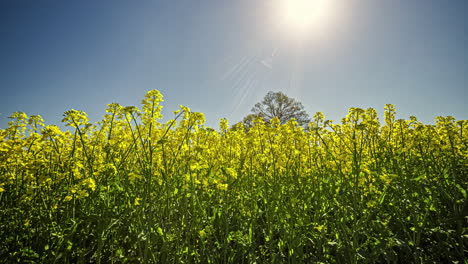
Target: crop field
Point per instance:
(134, 189)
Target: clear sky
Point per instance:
(220, 57)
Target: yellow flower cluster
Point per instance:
(132, 147)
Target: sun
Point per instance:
(302, 16)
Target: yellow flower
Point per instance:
(90, 183)
(222, 186)
(137, 201)
(202, 233)
(133, 176)
(82, 194)
(231, 172)
(320, 227)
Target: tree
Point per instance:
(277, 104)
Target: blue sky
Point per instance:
(220, 57)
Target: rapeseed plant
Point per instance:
(132, 188)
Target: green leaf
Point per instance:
(70, 245)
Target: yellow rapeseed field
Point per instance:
(134, 189)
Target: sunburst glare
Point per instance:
(301, 17)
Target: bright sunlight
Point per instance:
(302, 16)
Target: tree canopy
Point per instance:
(278, 104)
